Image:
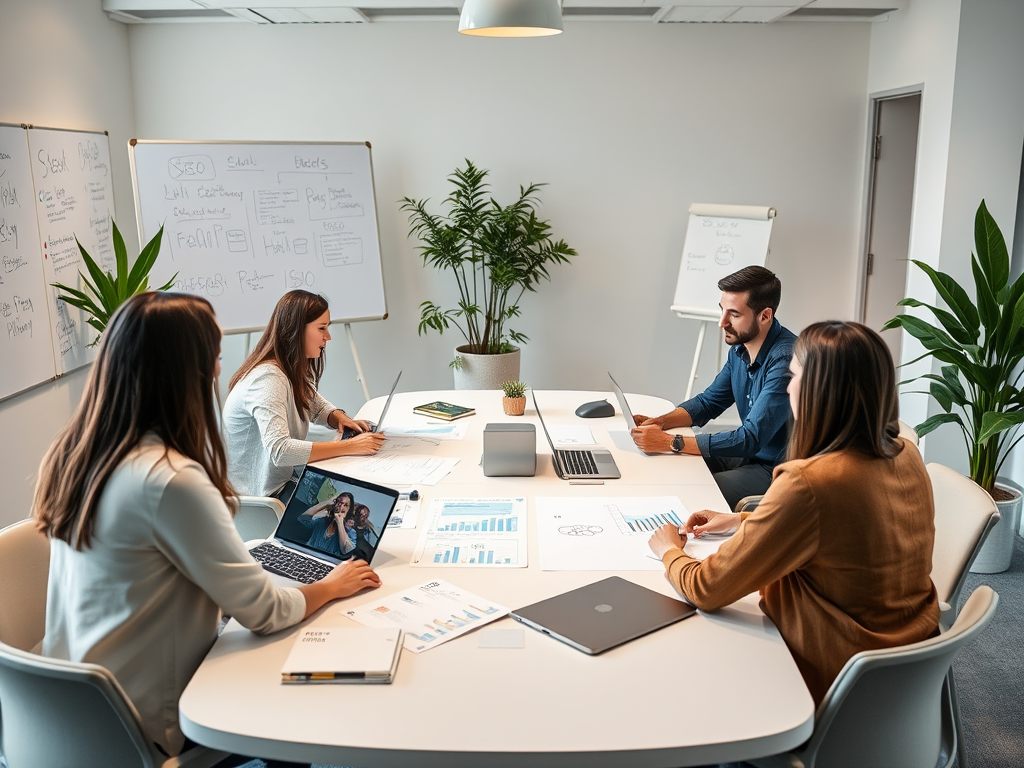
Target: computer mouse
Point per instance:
(598, 409)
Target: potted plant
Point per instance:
(110, 290)
(496, 253)
(981, 346)
(514, 400)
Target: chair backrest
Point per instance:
(24, 568)
(886, 706)
(907, 432)
(964, 516)
(257, 517)
(62, 713)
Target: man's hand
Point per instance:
(651, 439)
(665, 538)
(647, 421)
(709, 521)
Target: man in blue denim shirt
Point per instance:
(755, 377)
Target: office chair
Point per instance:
(257, 517)
(886, 708)
(59, 713)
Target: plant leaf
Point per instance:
(992, 423)
(954, 295)
(948, 320)
(121, 260)
(991, 248)
(937, 420)
(142, 266)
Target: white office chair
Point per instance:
(886, 708)
(56, 713)
(907, 432)
(257, 517)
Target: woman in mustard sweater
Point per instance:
(841, 545)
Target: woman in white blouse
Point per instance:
(273, 398)
(135, 499)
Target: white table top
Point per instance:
(714, 688)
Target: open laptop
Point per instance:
(603, 615)
(306, 547)
(573, 463)
(627, 414)
(379, 425)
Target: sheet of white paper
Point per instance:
(429, 614)
(571, 434)
(513, 637)
(477, 533)
(602, 533)
(402, 468)
(429, 430)
(406, 514)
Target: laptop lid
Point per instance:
(604, 614)
(623, 405)
(603, 460)
(334, 517)
(379, 426)
(543, 426)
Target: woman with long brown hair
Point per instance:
(135, 499)
(273, 398)
(841, 545)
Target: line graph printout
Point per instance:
(597, 534)
(489, 533)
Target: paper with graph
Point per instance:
(487, 533)
(606, 533)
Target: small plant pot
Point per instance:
(514, 406)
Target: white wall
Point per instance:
(629, 123)
(63, 64)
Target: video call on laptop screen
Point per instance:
(338, 517)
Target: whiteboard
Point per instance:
(246, 222)
(25, 345)
(74, 198)
(720, 240)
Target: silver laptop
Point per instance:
(307, 544)
(574, 463)
(379, 425)
(623, 405)
(604, 614)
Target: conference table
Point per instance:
(717, 687)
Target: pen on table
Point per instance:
(412, 495)
(586, 482)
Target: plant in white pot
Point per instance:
(496, 253)
(981, 347)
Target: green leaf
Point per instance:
(951, 375)
(932, 422)
(991, 248)
(101, 283)
(144, 264)
(942, 396)
(992, 423)
(987, 304)
(949, 321)
(121, 260)
(954, 295)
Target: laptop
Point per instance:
(623, 405)
(603, 615)
(308, 543)
(379, 425)
(573, 463)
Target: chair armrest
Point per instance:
(197, 757)
(748, 503)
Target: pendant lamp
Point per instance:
(511, 18)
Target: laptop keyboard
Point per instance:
(578, 462)
(291, 564)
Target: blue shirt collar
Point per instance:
(740, 350)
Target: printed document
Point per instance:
(488, 533)
(402, 468)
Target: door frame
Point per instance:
(874, 102)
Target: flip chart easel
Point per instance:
(720, 240)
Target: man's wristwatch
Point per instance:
(677, 444)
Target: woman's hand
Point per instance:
(709, 521)
(348, 578)
(347, 422)
(665, 538)
(362, 445)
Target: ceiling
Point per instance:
(375, 11)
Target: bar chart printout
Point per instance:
(474, 532)
(642, 521)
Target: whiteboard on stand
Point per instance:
(74, 199)
(244, 223)
(720, 240)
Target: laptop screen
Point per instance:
(335, 516)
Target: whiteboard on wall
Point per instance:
(26, 348)
(246, 222)
(74, 198)
(720, 240)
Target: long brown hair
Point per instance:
(283, 343)
(154, 372)
(847, 394)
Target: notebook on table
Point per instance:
(602, 615)
(343, 655)
(329, 519)
(573, 463)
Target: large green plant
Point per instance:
(981, 346)
(109, 290)
(495, 252)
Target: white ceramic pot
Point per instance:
(486, 371)
(997, 552)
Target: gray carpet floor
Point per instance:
(990, 674)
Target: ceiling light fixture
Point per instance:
(511, 18)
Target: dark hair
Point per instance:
(848, 393)
(154, 372)
(763, 288)
(283, 343)
(337, 500)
